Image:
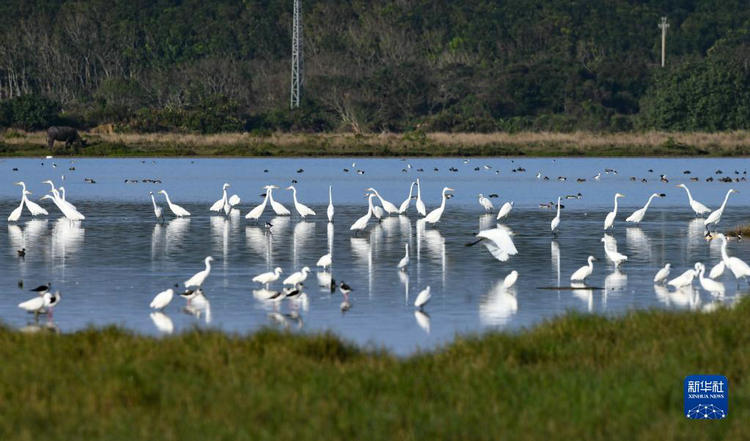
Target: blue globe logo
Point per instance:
(706, 412)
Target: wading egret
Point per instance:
(434, 216)
(662, 274)
(157, 209)
(378, 212)
(387, 206)
(510, 279)
(697, 207)
(36, 304)
(715, 217)
(683, 279)
(223, 203)
(738, 267)
(712, 286)
(584, 271)
(556, 221)
(269, 277)
(56, 194)
(176, 209)
(330, 209)
(16, 213)
(421, 209)
(61, 189)
(610, 249)
(423, 297)
(302, 209)
(197, 280)
(33, 207)
(296, 278)
(505, 210)
(485, 203)
(279, 209)
(405, 205)
(498, 242)
(256, 212)
(325, 261)
(404, 262)
(162, 299)
(637, 215)
(361, 223)
(66, 208)
(609, 221)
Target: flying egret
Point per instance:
(739, 268)
(387, 206)
(325, 261)
(498, 242)
(197, 280)
(162, 299)
(279, 209)
(504, 210)
(662, 274)
(405, 205)
(421, 209)
(32, 206)
(157, 209)
(404, 262)
(485, 203)
(296, 278)
(36, 304)
(609, 221)
(715, 217)
(712, 286)
(581, 273)
(361, 223)
(435, 215)
(510, 279)
(697, 207)
(330, 209)
(302, 209)
(638, 215)
(683, 279)
(256, 212)
(612, 254)
(556, 221)
(16, 213)
(423, 297)
(223, 203)
(269, 277)
(176, 209)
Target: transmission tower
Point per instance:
(297, 63)
(663, 25)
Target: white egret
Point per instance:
(712, 286)
(715, 217)
(67, 209)
(485, 203)
(738, 267)
(505, 210)
(176, 209)
(279, 209)
(325, 261)
(162, 299)
(32, 206)
(697, 207)
(378, 212)
(556, 221)
(223, 203)
(296, 278)
(683, 279)
(256, 212)
(581, 273)
(59, 198)
(302, 209)
(421, 209)
(157, 209)
(387, 206)
(609, 221)
(233, 201)
(423, 297)
(435, 215)
(330, 209)
(36, 304)
(361, 223)
(612, 254)
(404, 262)
(498, 242)
(16, 213)
(510, 279)
(662, 274)
(638, 215)
(269, 277)
(61, 189)
(197, 280)
(717, 270)
(405, 205)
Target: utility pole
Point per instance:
(663, 25)
(296, 57)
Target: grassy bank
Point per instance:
(14, 143)
(578, 377)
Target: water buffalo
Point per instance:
(64, 133)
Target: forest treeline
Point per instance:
(377, 65)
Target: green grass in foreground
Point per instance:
(578, 377)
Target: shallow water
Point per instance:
(109, 266)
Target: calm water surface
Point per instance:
(109, 266)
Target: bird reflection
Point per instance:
(615, 281)
(498, 306)
(423, 320)
(303, 232)
(35, 327)
(329, 237)
(162, 322)
(199, 306)
(404, 278)
(27, 237)
(486, 221)
(156, 240)
(286, 320)
(685, 297)
(176, 230)
(363, 251)
(555, 255)
(696, 235)
(324, 280)
(67, 237)
(390, 225)
(436, 245)
(587, 295)
(638, 242)
(220, 235)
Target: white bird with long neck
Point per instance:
(64, 199)
(223, 203)
(609, 221)
(302, 209)
(405, 205)
(296, 278)
(423, 297)
(361, 223)
(67, 209)
(638, 215)
(330, 210)
(32, 206)
(162, 299)
(387, 206)
(269, 277)
(683, 279)
(157, 209)
(421, 209)
(610, 249)
(555, 224)
(715, 217)
(485, 203)
(504, 210)
(256, 212)
(435, 215)
(662, 274)
(37, 304)
(583, 272)
(737, 266)
(325, 261)
(697, 207)
(498, 242)
(176, 209)
(712, 286)
(404, 262)
(16, 213)
(279, 209)
(197, 280)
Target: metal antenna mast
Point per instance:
(296, 57)
(663, 25)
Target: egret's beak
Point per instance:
(289, 188)
(28, 192)
(450, 189)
